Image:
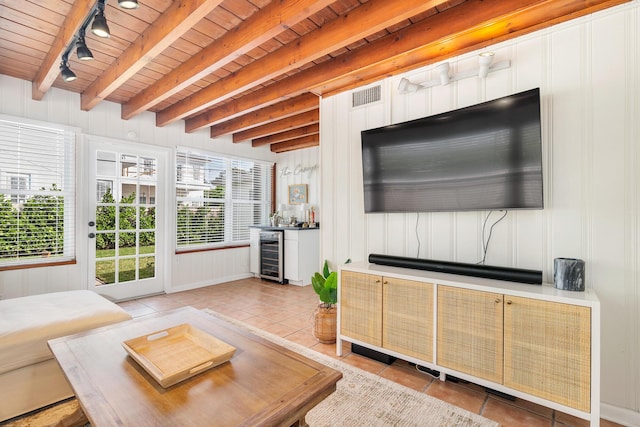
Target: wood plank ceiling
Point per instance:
(253, 68)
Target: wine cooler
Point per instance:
(272, 255)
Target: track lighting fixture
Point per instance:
(99, 28)
(485, 60)
(65, 71)
(128, 4)
(83, 52)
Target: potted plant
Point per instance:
(325, 285)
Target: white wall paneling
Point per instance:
(588, 73)
(302, 167)
(58, 106)
(205, 269)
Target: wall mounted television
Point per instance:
(482, 157)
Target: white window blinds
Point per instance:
(37, 193)
(218, 198)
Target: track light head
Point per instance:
(443, 72)
(128, 4)
(65, 71)
(406, 86)
(484, 61)
(99, 26)
(82, 50)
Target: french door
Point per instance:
(126, 217)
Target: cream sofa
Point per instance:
(30, 378)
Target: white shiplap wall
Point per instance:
(185, 271)
(304, 168)
(588, 72)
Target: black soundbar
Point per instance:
(532, 277)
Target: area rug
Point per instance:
(48, 416)
(365, 399)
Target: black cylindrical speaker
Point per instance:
(533, 277)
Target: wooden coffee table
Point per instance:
(262, 384)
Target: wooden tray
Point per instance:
(175, 354)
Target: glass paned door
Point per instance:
(125, 227)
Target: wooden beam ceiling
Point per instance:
(258, 29)
(169, 27)
(300, 104)
(472, 26)
(432, 34)
(255, 69)
(299, 120)
(307, 130)
(367, 19)
(296, 144)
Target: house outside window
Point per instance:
(218, 198)
(103, 187)
(18, 184)
(37, 192)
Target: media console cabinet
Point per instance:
(534, 342)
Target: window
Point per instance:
(37, 192)
(218, 198)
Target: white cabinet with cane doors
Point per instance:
(534, 342)
(394, 314)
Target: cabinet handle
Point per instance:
(497, 300)
(378, 281)
(509, 302)
(385, 282)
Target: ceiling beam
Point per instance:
(432, 31)
(300, 104)
(50, 68)
(293, 122)
(367, 19)
(260, 27)
(286, 136)
(401, 58)
(169, 27)
(296, 144)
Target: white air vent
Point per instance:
(366, 96)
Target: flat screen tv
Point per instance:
(483, 157)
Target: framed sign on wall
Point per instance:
(297, 194)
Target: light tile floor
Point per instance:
(286, 310)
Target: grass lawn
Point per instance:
(106, 268)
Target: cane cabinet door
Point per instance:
(470, 332)
(360, 302)
(408, 317)
(548, 350)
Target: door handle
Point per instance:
(92, 235)
(91, 223)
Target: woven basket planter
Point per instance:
(324, 324)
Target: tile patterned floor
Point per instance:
(286, 310)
